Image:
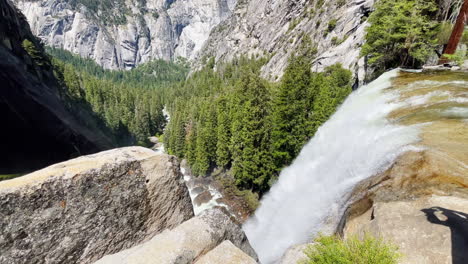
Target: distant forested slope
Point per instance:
(129, 103)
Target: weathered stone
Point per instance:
(80, 210)
(226, 253)
(158, 30)
(277, 28)
(430, 230)
(294, 254)
(186, 242)
(41, 128)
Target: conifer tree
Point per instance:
(291, 107)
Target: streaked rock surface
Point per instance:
(159, 29)
(80, 210)
(276, 28)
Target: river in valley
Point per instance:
(374, 126)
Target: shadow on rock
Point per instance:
(458, 224)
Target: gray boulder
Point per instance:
(226, 253)
(429, 230)
(187, 242)
(294, 254)
(80, 210)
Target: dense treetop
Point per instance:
(231, 118)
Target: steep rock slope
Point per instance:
(122, 34)
(277, 29)
(38, 129)
(82, 209)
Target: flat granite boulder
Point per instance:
(187, 242)
(429, 230)
(83, 209)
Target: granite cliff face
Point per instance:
(39, 129)
(277, 29)
(123, 34)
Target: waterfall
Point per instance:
(357, 142)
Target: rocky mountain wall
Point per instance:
(144, 30)
(38, 126)
(277, 28)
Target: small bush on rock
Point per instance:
(369, 250)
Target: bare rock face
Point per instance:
(294, 254)
(31, 99)
(277, 29)
(226, 253)
(146, 30)
(189, 241)
(80, 210)
(430, 230)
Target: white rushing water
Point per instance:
(357, 142)
(190, 181)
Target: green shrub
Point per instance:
(332, 25)
(458, 57)
(334, 41)
(340, 3)
(37, 56)
(319, 3)
(464, 39)
(369, 250)
(443, 35)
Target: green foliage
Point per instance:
(402, 33)
(235, 120)
(334, 41)
(459, 57)
(340, 3)
(319, 4)
(293, 23)
(153, 74)
(129, 103)
(444, 32)
(369, 250)
(107, 12)
(332, 25)
(36, 53)
(464, 39)
(4, 177)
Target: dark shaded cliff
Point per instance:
(38, 128)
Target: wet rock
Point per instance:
(80, 210)
(226, 253)
(186, 242)
(202, 198)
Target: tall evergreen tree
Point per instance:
(291, 107)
